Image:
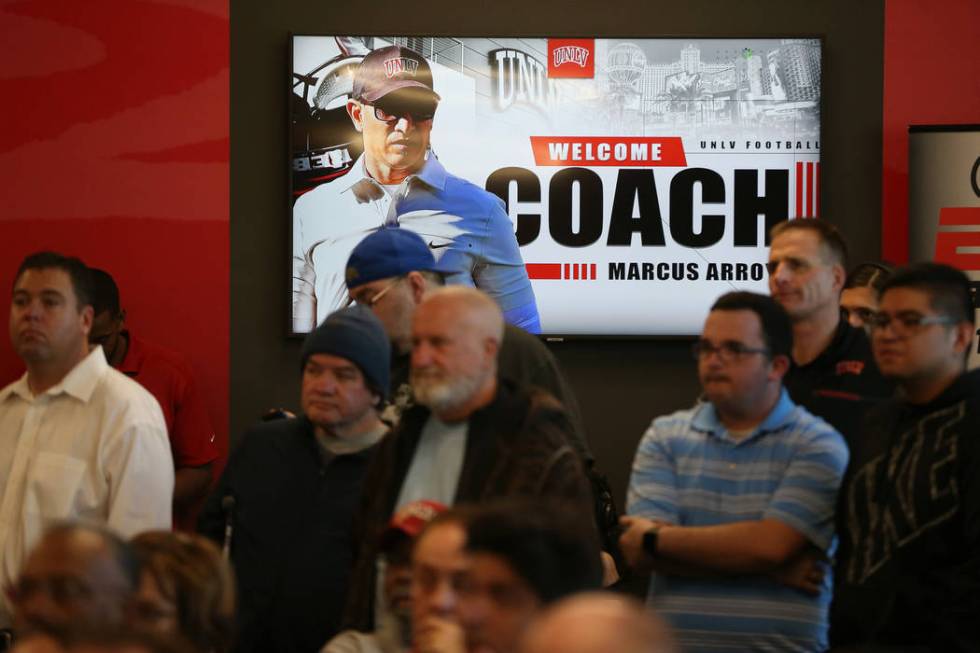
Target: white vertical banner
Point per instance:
(944, 200)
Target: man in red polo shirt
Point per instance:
(169, 379)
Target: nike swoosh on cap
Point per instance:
(432, 245)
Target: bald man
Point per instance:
(471, 436)
(598, 623)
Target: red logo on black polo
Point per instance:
(850, 367)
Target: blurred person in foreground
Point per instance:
(77, 574)
(83, 638)
(394, 633)
(482, 573)
(598, 623)
(186, 590)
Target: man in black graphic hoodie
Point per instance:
(909, 567)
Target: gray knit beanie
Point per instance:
(354, 333)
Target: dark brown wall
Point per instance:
(622, 384)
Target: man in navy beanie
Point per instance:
(291, 487)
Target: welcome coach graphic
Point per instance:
(639, 176)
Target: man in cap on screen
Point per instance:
(398, 181)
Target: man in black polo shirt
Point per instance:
(833, 374)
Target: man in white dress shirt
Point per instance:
(78, 440)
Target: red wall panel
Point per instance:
(114, 148)
(932, 68)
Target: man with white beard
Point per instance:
(471, 436)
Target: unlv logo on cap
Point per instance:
(571, 58)
(398, 65)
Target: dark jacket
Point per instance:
(291, 550)
(516, 446)
(908, 572)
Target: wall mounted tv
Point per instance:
(594, 187)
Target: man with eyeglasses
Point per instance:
(731, 503)
(909, 566)
(398, 181)
(832, 372)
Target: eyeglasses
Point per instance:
(376, 297)
(905, 323)
(392, 112)
(727, 351)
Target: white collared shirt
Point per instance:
(93, 447)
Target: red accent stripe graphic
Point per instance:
(809, 190)
(562, 271)
(544, 270)
(816, 190)
(799, 189)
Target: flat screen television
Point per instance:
(621, 184)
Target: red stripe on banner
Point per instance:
(809, 189)
(593, 271)
(568, 271)
(959, 215)
(543, 270)
(816, 190)
(575, 270)
(799, 189)
(951, 249)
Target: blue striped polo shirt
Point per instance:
(689, 471)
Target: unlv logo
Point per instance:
(570, 53)
(398, 65)
(571, 58)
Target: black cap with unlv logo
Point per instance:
(391, 69)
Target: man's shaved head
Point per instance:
(469, 306)
(598, 623)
